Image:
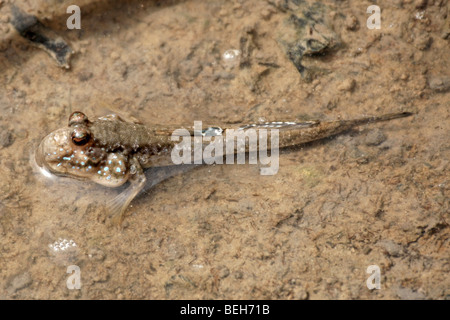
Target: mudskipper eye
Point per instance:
(80, 136)
(77, 117)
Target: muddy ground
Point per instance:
(377, 195)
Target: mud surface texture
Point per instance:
(378, 195)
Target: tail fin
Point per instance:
(385, 117)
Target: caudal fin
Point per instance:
(385, 117)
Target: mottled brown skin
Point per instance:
(132, 139)
(111, 151)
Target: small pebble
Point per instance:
(6, 138)
(114, 55)
(393, 249)
(96, 254)
(223, 272)
(347, 85)
(439, 83)
(20, 282)
(423, 42)
(300, 293)
(266, 14)
(223, 12)
(375, 137)
(351, 23)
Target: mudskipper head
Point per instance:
(73, 151)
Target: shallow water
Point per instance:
(378, 195)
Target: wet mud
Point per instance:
(376, 195)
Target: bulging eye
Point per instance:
(77, 118)
(80, 136)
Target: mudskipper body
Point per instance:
(111, 151)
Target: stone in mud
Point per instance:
(351, 23)
(375, 137)
(347, 85)
(423, 42)
(391, 248)
(439, 83)
(96, 255)
(6, 137)
(305, 33)
(223, 272)
(20, 282)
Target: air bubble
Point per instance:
(61, 245)
(231, 54)
(231, 57)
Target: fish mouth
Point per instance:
(39, 163)
(47, 148)
(39, 160)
